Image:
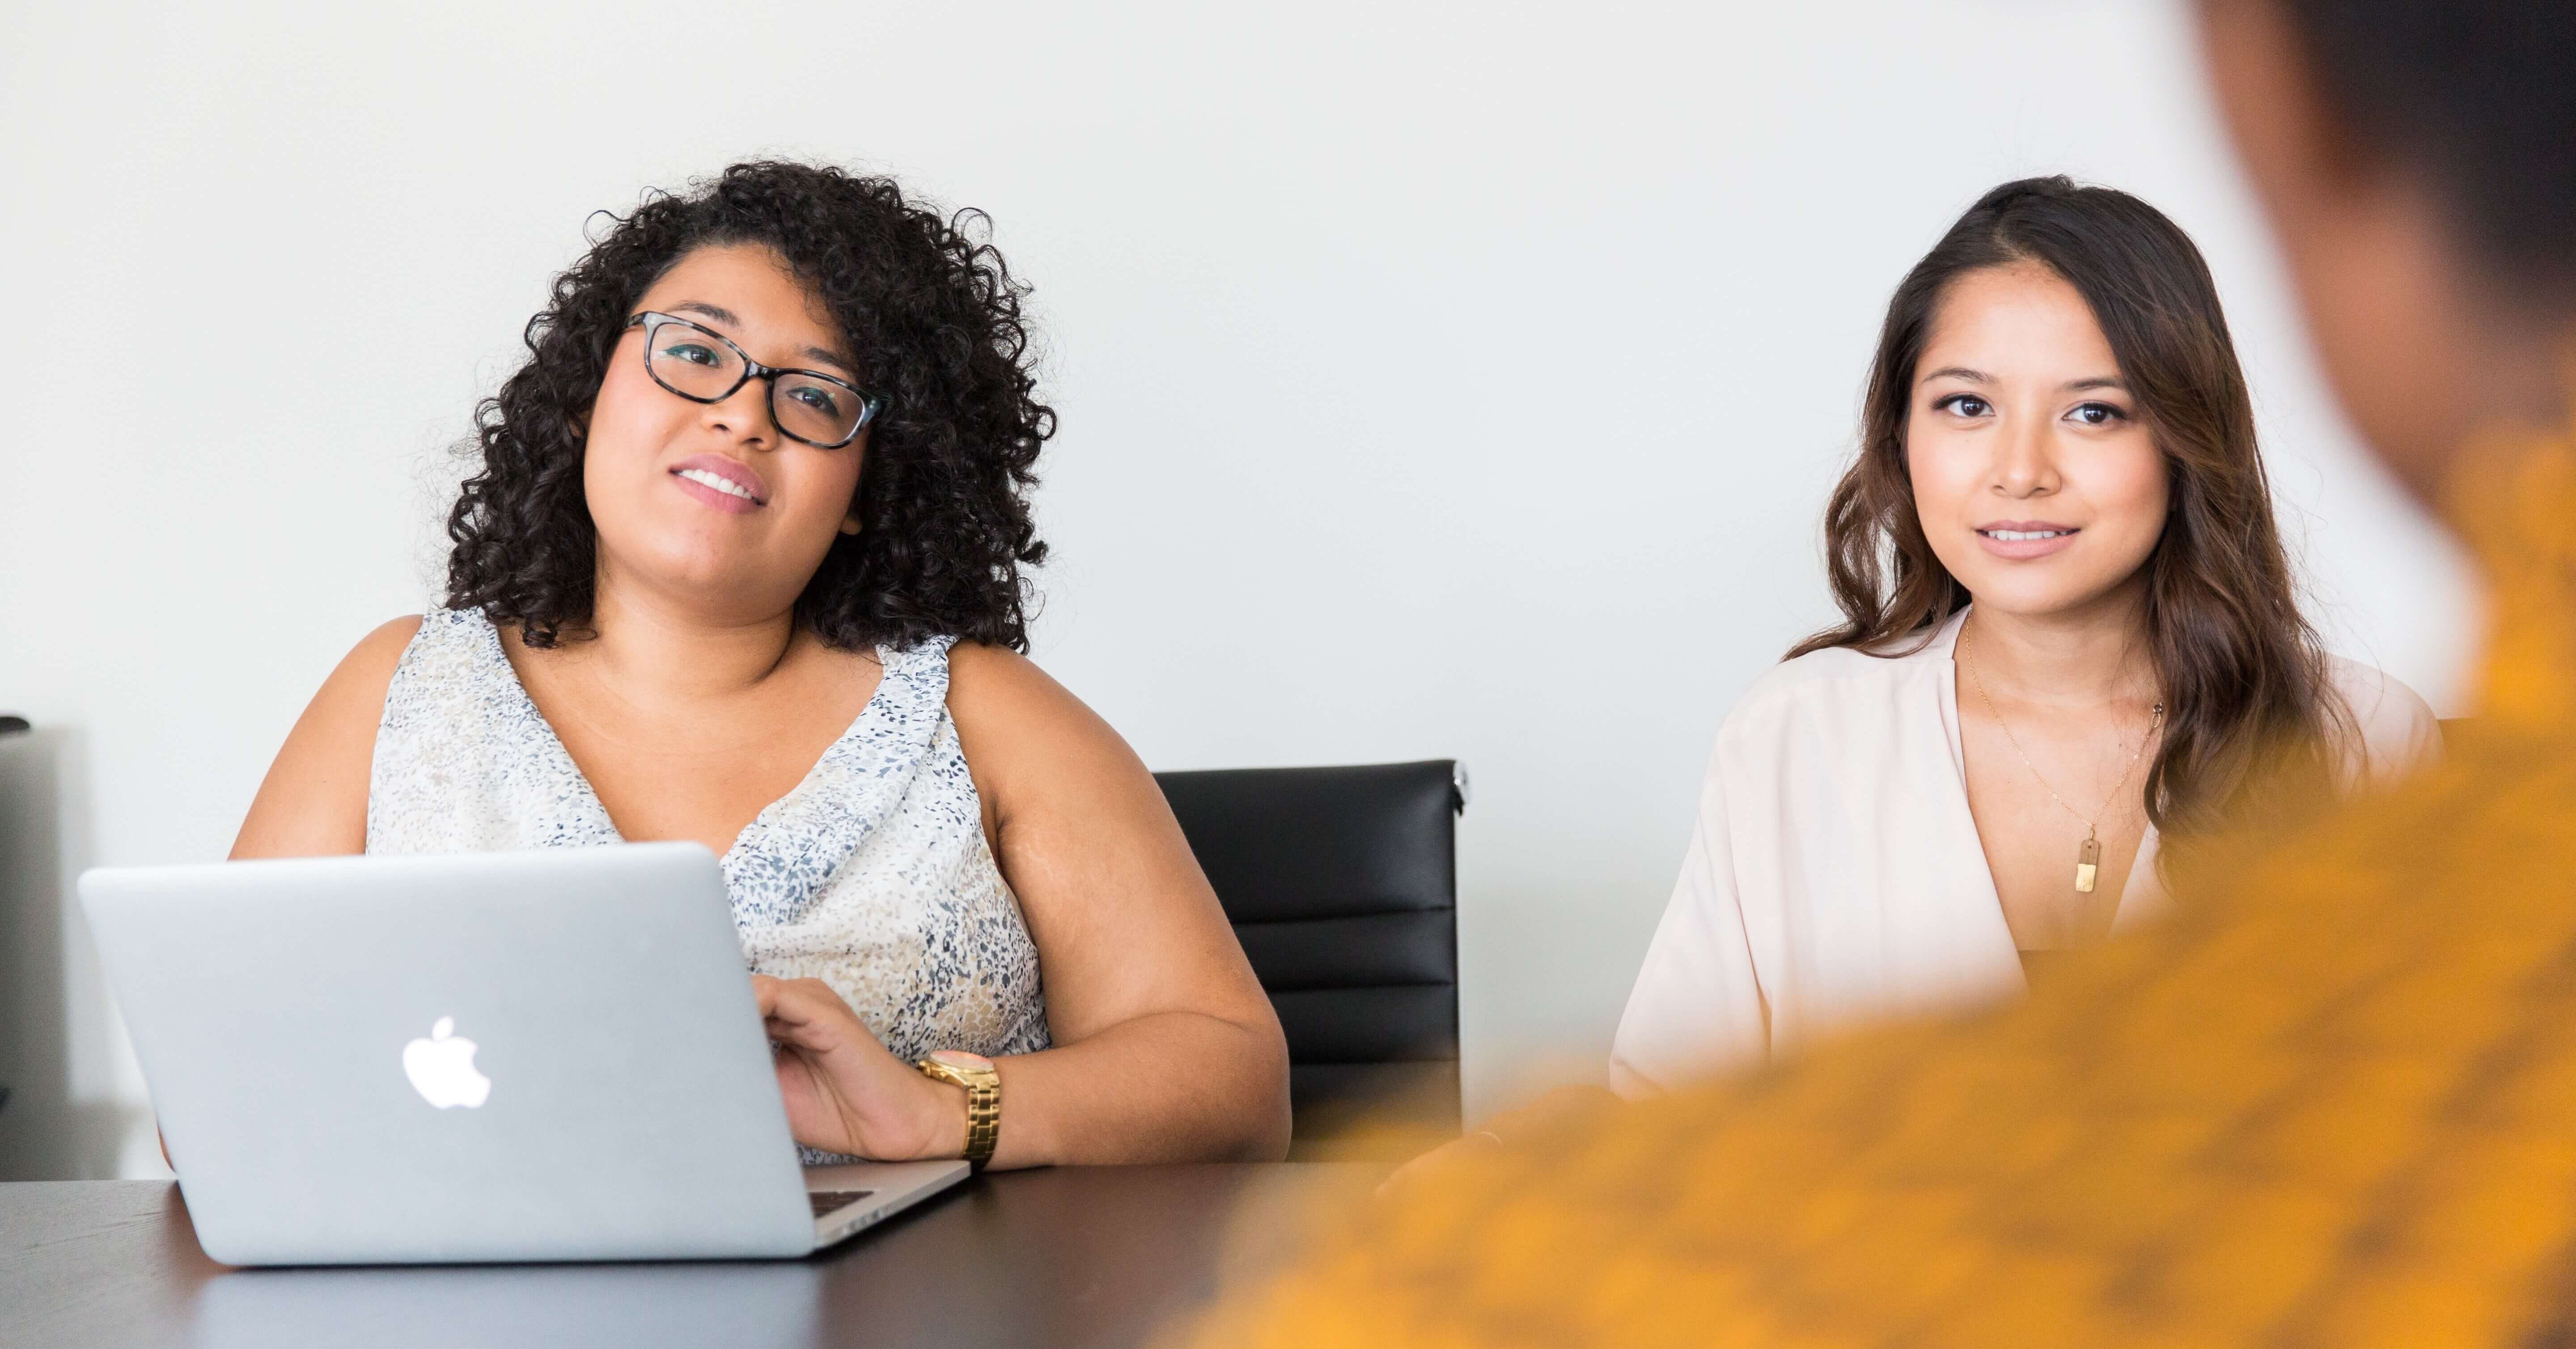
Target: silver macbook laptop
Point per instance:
(494, 1056)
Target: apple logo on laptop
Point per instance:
(441, 1068)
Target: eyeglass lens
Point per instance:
(693, 363)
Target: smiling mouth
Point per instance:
(2024, 535)
(720, 483)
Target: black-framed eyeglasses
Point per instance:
(704, 366)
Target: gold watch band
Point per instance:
(983, 1103)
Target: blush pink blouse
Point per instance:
(1835, 874)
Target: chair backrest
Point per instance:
(1342, 884)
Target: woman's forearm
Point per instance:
(1168, 1087)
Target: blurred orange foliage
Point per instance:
(2332, 1102)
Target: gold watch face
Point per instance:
(958, 1058)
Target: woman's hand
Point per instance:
(845, 1093)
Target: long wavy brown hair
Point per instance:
(2244, 677)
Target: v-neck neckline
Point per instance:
(1945, 648)
(598, 809)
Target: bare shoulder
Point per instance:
(1024, 734)
(314, 800)
(380, 651)
(1000, 688)
(358, 684)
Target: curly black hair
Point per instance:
(933, 314)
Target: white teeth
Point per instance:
(725, 485)
(2023, 535)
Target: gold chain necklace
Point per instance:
(2088, 855)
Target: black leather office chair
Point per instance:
(1342, 884)
(9, 726)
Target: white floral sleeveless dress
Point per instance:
(871, 875)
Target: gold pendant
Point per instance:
(2088, 861)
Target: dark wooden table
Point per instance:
(1071, 1256)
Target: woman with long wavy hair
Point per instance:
(2070, 632)
(741, 562)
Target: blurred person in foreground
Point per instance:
(2333, 1101)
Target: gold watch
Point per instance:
(983, 1087)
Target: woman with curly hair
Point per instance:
(742, 565)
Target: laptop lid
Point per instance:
(494, 1056)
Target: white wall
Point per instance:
(1436, 380)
